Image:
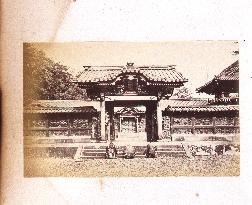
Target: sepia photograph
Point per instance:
(131, 109)
(125, 102)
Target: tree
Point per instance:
(182, 93)
(44, 79)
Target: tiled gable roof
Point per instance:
(164, 74)
(212, 108)
(97, 74)
(184, 103)
(197, 106)
(109, 73)
(61, 106)
(231, 73)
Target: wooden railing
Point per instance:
(50, 137)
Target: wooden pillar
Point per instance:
(93, 125)
(159, 121)
(111, 121)
(137, 123)
(236, 125)
(171, 127)
(103, 126)
(214, 125)
(47, 125)
(27, 127)
(120, 128)
(69, 125)
(193, 125)
(148, 123)
(151, 121)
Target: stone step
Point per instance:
(171, 154)
(169, 146)
(158, 149)
(103, 153)
(92, 157)
(170, 149)
(103, 157)
(136, 147)
(136, 154)
(94, 152)
(94, 147)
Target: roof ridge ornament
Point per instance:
(130, 66)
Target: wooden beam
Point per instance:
(103, 120)
(159, 121)
(214, 125)
(193, 125)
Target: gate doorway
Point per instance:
(131, 120)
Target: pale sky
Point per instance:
(198, 61)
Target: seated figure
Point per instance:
(129, 152)
(151, 151)
(219, 149)
(111, 151)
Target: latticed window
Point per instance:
(204, 121)
(225, 121)
(58, 123)
(81, 123)
(182, 121)
(38, 123)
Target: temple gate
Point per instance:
(130, 86)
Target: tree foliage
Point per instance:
(45, 79)
(182, 93)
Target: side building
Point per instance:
(207, 120)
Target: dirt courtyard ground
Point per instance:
(167, 166)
